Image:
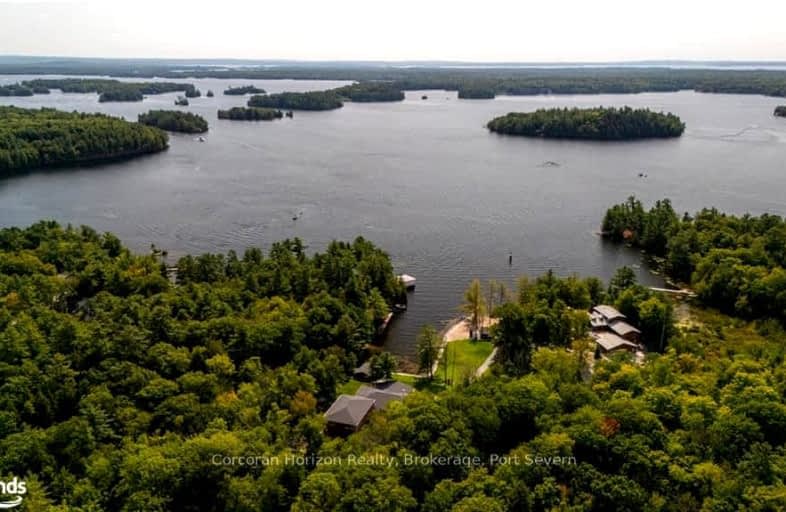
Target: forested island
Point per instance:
(31, 139)
(242, 90)
(250, 114)
(124, 391)
(174, 121)
(476, 93)
(107, 89)
(370, 92)
(589, 123)
(314, 100)
(780, 111)
(16, 90)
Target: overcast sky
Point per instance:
(487, 30)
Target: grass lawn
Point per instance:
(349, 388)
(432, 386)
(463, 359)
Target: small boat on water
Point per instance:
(407, 280)
(201, 139)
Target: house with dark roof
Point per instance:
(349, 412)
(612, 331)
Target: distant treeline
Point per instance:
(314, 100)
(474, 93)
(174, 121)
(780, 111)
(46, 138)
(500, 80)
(108, 90)
(589, 123)
(250, 114)
(246, 89)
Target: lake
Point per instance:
(421, 178)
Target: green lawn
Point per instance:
(432, 386)
(463, 358)
(349, 388)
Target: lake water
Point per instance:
(422, 178)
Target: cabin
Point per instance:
(347, 414)
(607, 318)
(384, 392)
(612, 331)
(363, 372)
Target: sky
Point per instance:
(459, 30)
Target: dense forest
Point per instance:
(174, 121)
(246, 89)
(123, 391)
(370, 91)
(250, 114)
(46, 138)
(589, 123)
(735, 264)
(780, 111)
(16, 90)
(498, 80)
(314, 100)
(476, 93)
(107, 89)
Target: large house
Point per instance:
(349, 412)
(612, 332)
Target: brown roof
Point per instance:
(622, 327)
(610, 341)
(608, 312)
(349, 410)
(380, 396)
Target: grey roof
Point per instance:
(349, 410)
(622, 327)
(393, 386)
(610, 341)
(381, 398)
(608, 312)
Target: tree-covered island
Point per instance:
(43, 138)
(250, 114)
(589, 123)
(174, 121)
(780, 111)
(242, 90)
(365, 92)
(107, 89)
(314, 100)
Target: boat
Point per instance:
(407, 280)
(201, 139)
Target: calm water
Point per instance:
(423, 179)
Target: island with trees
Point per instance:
(32, 139)
(16, 90)
(250, 114)
(123, 390)
(364, 92)
(243, 90)
(314, 100)
(476, 93)
(589, 123)
(780, 111)
(174, 121)
(107, 89)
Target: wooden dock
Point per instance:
(674, 291)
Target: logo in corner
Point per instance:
(11, 493)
